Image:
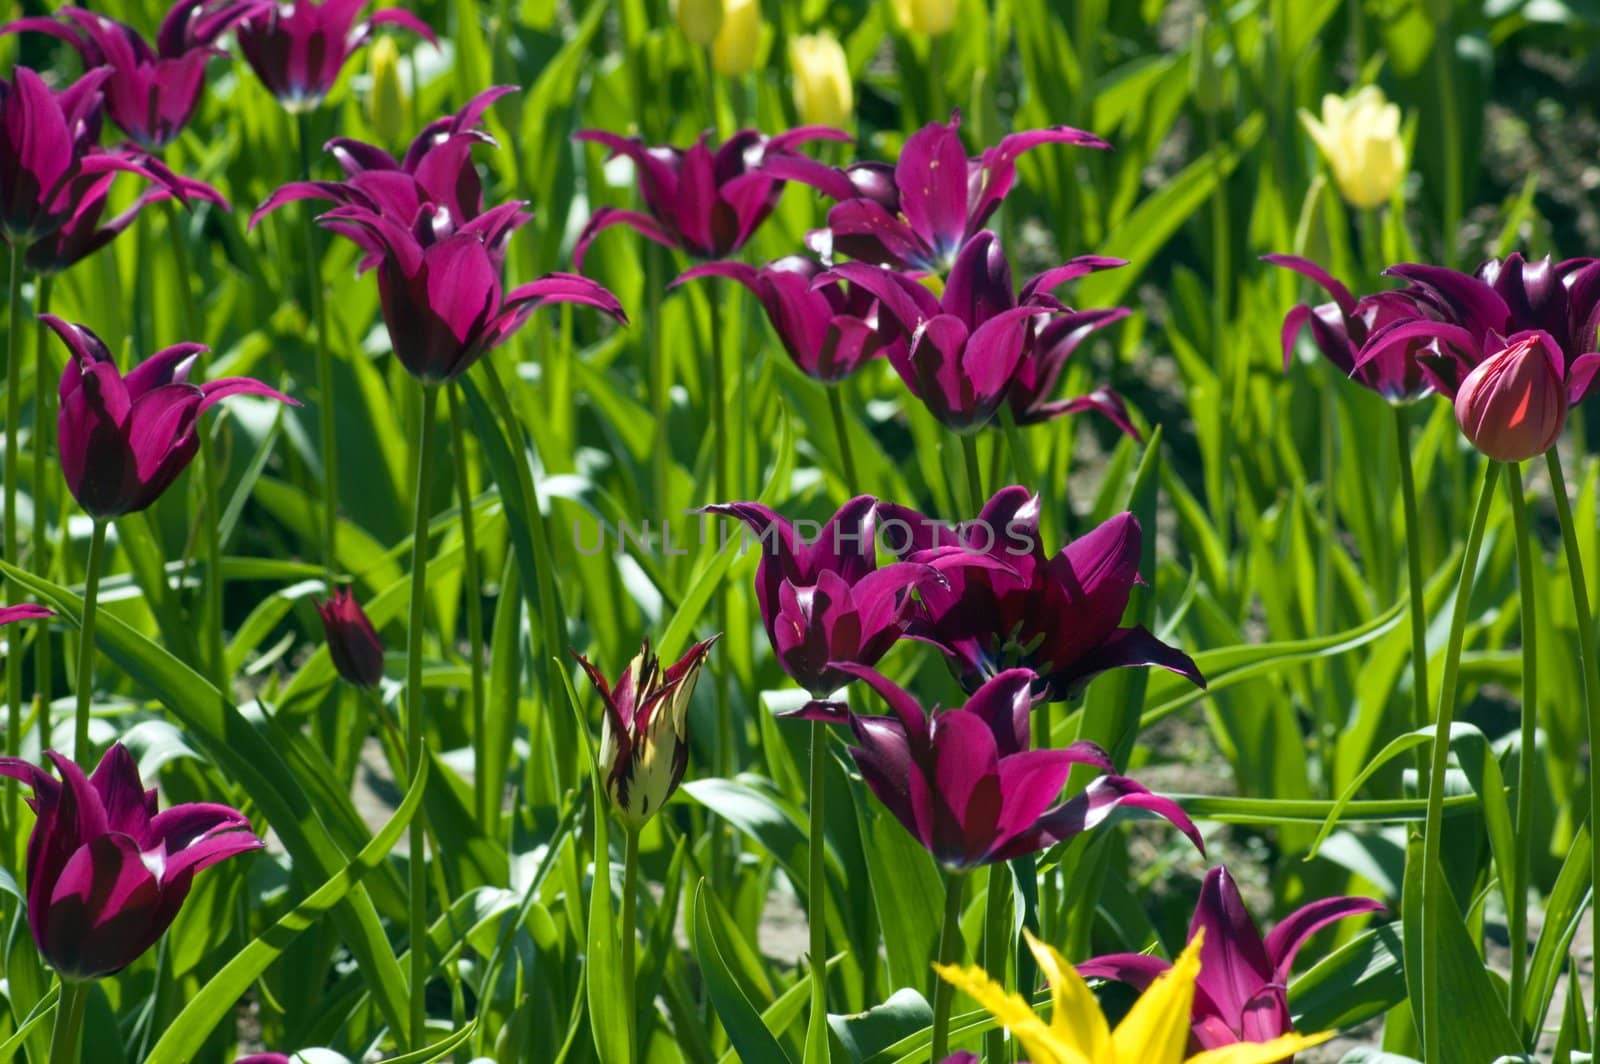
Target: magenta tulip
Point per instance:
(1242, 992)
(27, 611)
(107, 873)
(965, 784)
(151, 93)
(1034, 383)
(353, 643)
(123, 440)
(85, 233)
(705, 202)
(298, 47)
(1059, 616)
(920, 213)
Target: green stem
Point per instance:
(630, 937)
(91, 595)
(842, 429)
(44, 420)
(719, 466)
(14, 590)
(996, 950)
(969, 457)
(817, 877)
(488, 804)
(326, 415)
(656, 382)
(1518, 917)
(1444, 47)
(1418, 587)
(414, 709)
(67, 1035)
(1587, 653)
(950, 950)
(1433, 824)
(1326, 707)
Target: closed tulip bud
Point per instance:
(1513, 405)
(353, 643)
(644, 738)
(698, 19)
(930, 17)
(386, 100)
(733, 51)
(1360, 139)
(823, 93)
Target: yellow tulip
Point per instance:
(700, 20)
(1155, 1030)
(386, 101)
(823, 93)
(931, 17)
(1360, 138)
(733, 53)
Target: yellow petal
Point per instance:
(1261, 1052)
(1075, 1015)
(1156, 1029)
(1042, 1043)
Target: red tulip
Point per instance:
(353, 643)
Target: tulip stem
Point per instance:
(91, 595)
(847, 458)
(969, 455)
(67, 1035)
(1586, 649)
(1435, 891)
(413, 720)
(319, 314)
(950, 950)
(630, 935)
(488, 804)
(14, 592)
(817, 888)
(1518, 918)
(43, 426)
(1419, 605)
(1444, 60)
(996, 950)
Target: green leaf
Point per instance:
(905, 1013)
(750, 1036)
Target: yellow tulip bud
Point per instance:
(823, 93)
(699, 19)
(386, 100)
(930, 17)
(1360, 139)
(733, 53)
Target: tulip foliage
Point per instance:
(561, 532)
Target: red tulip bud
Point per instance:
(353, 643)
(1514, 404)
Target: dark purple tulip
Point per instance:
(1059, 616)
(124, 439)
(921, 212)
(107, 873)
(84, 233)
(827, 602)
(965, 784)
(27, 611)
(1038, 375)
(968, 348)
(151, 93)
(264, 1058)
(49, 155)
(298, 47)
(353, 643)
(442, 298)
(1242, 992)
(829, 330)
(706, 202)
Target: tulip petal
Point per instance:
(26, 611)
(216, 391)
(122, 793)
(1285, 940)
(907, 710)
(932, 178)
(1334, 287)
(100, 909)
(1137, 970)
(1005, 702)
(606, 217)
(1106, 799)
(1233, 961)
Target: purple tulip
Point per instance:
(965, 784)
(920, 213)
(968, 348)
(1038, 375)
(50, 158)
(1059, 616)
(27, 611)
(264, 1058)
(124, 439)
(353, 643)
(442, 298)
(827, 602)
(298, 47)
(1241, 994)
(107, 873)
(84, 234)
(151, 93)
(829, 330)
(704, 202)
